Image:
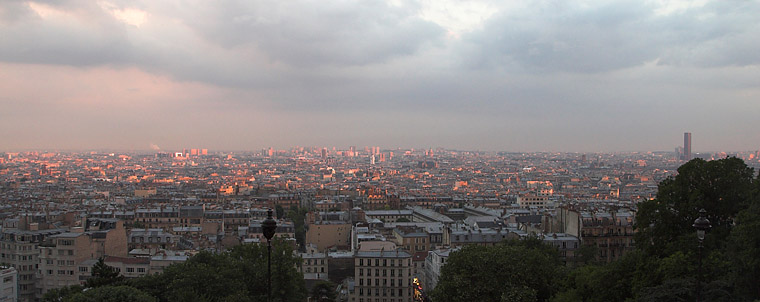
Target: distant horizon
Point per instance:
(359, 148)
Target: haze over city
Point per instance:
(503, 75)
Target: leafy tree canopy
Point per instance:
(103, 275)
(112, 294)
(323, 291)
(517, 270)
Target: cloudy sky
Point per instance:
(487, 75)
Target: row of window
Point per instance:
(385, 282)
(385, 292)
(393, 262)
(378, 300)
(385, 272)
(23, 247)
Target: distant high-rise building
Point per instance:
(687, 146)
(204, 151)
(324, 153)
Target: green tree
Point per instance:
(744, 253)
(664, 266)
(601, 282)
(323, 291)
(103, 275)
(121, 293)
(59, 294)
(402, 219)
(239, 274)
(722, 187)
(298, 216)
(517, 270)
(279, 211)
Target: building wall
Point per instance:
(19, 249)
(325, 236)
(9, 285)
(382, 276)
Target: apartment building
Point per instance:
(412, 239)
(435, 260)
(384, 275)
(19, 249)
(9, 285)
(610, 231)
(65, 259)
(314, 266)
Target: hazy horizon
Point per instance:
(555, 76)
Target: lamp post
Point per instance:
(701, 224)
(268, 227)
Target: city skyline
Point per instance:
(602, 76)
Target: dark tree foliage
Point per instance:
(519, 270)
(103, 275)
(112, 294)
(58, 294)
(323, 291)
(236, 275)
(279, 211)
(298, 216)
(665, 265)
(601, 282)
(722, 187)
(744, 252)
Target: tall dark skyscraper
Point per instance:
(687, 146)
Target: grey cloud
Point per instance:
(317, 33)
(559, 37)
(27, 38)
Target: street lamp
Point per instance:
(268, 227)
(702, 225)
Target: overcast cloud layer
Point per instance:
(515, 76)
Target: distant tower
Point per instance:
(324, 153)
(687, 146)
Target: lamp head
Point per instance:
(269, 226)
(702, 224)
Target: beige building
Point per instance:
(65, 259)
(384, 275)
(314, 266)
(19, 249)
(9, 285)
(129, 267)
(412, 239)
(329, 234)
